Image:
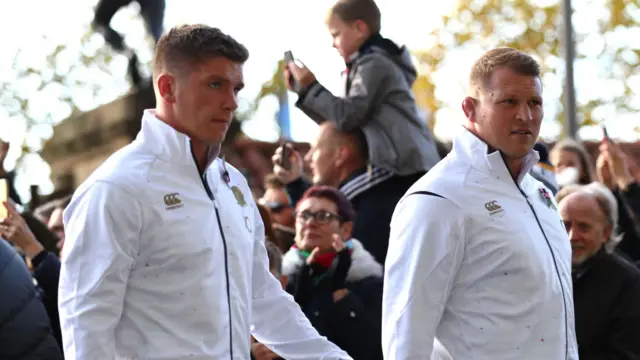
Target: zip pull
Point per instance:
(215, 203)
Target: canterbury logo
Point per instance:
(493, 207)
(172, 201)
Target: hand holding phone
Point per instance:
(605, 133)
(288, 58)
(285, 162)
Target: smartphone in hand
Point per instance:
(4, 196)
(288, 58)
(605, 133)
(286, 153)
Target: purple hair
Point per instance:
(345, 209)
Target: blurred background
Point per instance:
(67, 102)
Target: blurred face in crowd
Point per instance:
(277, 201)
(325, 156)
(507, 112)
(564, 159)
(201, 99)
(347, 37)
(586, 223)
(316, 221)
(56, 226)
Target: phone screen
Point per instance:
(4, 196)
(288, 57)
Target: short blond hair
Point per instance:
(515, 60)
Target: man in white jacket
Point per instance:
(478, 256)
(164, 255)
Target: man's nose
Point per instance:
(524, 112)
(231, 101)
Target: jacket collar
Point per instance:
(488, 161)
(170, 145)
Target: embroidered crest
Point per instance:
(546, 197)
(239, 196)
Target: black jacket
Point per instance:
(606, 295)
(25, 330)
(353, 323)
(629, 221)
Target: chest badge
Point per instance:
(239, 196)
(546, 197)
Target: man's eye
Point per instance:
(215, 85)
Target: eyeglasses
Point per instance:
(321, 217)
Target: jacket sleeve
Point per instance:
(426, 248)
(103, 226)
(277, 320)
(47, 273)
(354, 111)
(632, 197)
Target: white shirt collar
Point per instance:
(165, 142)
(477, 152)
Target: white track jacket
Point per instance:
(480, 261)
(163, 264)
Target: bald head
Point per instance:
(335, 155)
(353, 141)
(582, 201)
(587, 220)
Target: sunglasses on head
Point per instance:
(274, 206)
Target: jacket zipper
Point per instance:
(555, 265)
(203, 178)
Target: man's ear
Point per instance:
(362, 28)
(342, 155)
(166, 88)
(469, 108)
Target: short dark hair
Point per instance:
(185, 45)
(64, 202)
(45, 210)
(365, 10)
(272, 181)
(515, 60)
(345, 208)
